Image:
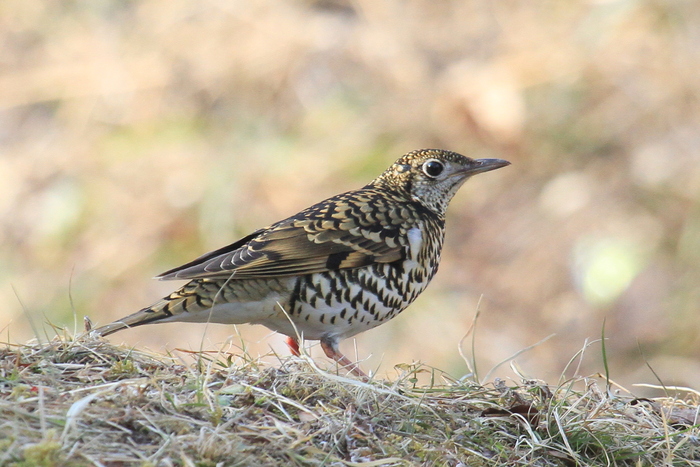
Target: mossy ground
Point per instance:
(86, 402)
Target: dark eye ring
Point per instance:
(433, 168)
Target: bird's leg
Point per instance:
(293, 345)
(330, 348)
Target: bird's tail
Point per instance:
(144, 316)
(192, 297)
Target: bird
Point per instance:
(340, 267)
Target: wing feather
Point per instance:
(316, 240)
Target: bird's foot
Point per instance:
(293, 345)
(343, 361)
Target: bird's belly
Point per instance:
(338, 303)
(338, 319)
(251, 301)
(346, 302)
(235, 312)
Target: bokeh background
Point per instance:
(135, 136)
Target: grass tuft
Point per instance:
(86, 402)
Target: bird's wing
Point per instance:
(328, 236)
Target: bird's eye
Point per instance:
(433, 168)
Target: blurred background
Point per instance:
(135, 136)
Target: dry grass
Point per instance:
(86, 402)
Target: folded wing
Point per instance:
(319, 239)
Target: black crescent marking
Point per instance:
(336, 259)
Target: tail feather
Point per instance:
(144, 316)
(193, 296)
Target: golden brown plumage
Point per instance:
(335, 269)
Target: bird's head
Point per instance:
(433, 176)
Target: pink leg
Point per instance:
(330, 348)
(293, 345)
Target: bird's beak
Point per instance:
(484, 165)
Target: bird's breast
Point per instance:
(344, 302)
(415, 243)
